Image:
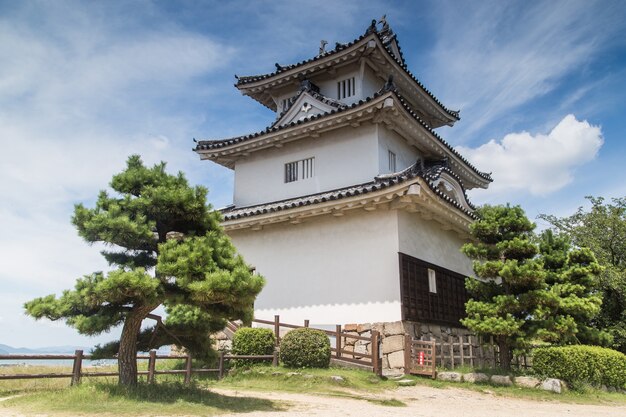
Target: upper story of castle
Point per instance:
(344, 75)
(346, 117)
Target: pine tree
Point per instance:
(511, 279)
(168, 249)
(572, 302)
(602, 228)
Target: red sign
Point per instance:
(421, 358)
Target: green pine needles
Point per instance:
(168, 249)
(528, 288)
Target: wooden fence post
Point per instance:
(407, 354)
(275, 359)
(306, 323)
(151, 366)
(78, 364)
(220, 373)
(338, 340)
(461, 350)
(277, 329)
(471, 350)
(188, 370)
(376, 353)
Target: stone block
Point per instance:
(365, 327)
(553, 384)
(362, 349)
(450, 376)
(527, 381)
(349, 328)
(406, 382)
(393, 328)
(393, 343)
(396, 359)
(475, 377)
(350, 340)
(501, 380)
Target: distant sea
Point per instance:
(165, 350)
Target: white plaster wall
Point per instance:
(426, 240)
(389, 140)
(370, 82)
(330, 270)
(328, 86)
(343, 157)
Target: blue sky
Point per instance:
(541, 87)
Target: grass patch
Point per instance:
(314, 381)
(388, 403)
(162, 399)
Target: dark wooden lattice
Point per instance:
(446, 306)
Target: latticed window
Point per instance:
(346, 88)
(392, 161)
(430, 293)
(299, 170)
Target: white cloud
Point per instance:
(538, 164)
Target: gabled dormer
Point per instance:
(305, 104)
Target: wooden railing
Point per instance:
(78, 373)
(338, 352)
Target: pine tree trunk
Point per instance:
(127, 355)
(504, 354)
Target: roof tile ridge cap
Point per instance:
(436, 135)
(305, 197)
(246, 79)
(274, 128)
(404, 66)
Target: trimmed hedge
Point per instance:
(580, 364)
(305, 348)
(252, 341)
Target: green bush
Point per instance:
(580, 364)
(305, 348)
(252, 341)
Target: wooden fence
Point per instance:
(370, 358)
(475, 352)
(78, 373)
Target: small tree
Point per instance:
(511, 280)
(169, 249)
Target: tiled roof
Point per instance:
(243, 80)
(217, 144)
(429, 171)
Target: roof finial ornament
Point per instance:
(278, 67)
(389, 85)
(385, 31)
(323, 44)
(371, 28)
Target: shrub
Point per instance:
(582, 364)
(305, 348)
(252, 341)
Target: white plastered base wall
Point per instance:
(337, 270)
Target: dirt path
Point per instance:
(427, 402)
(420, 402)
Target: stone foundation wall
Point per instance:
(392, 340)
